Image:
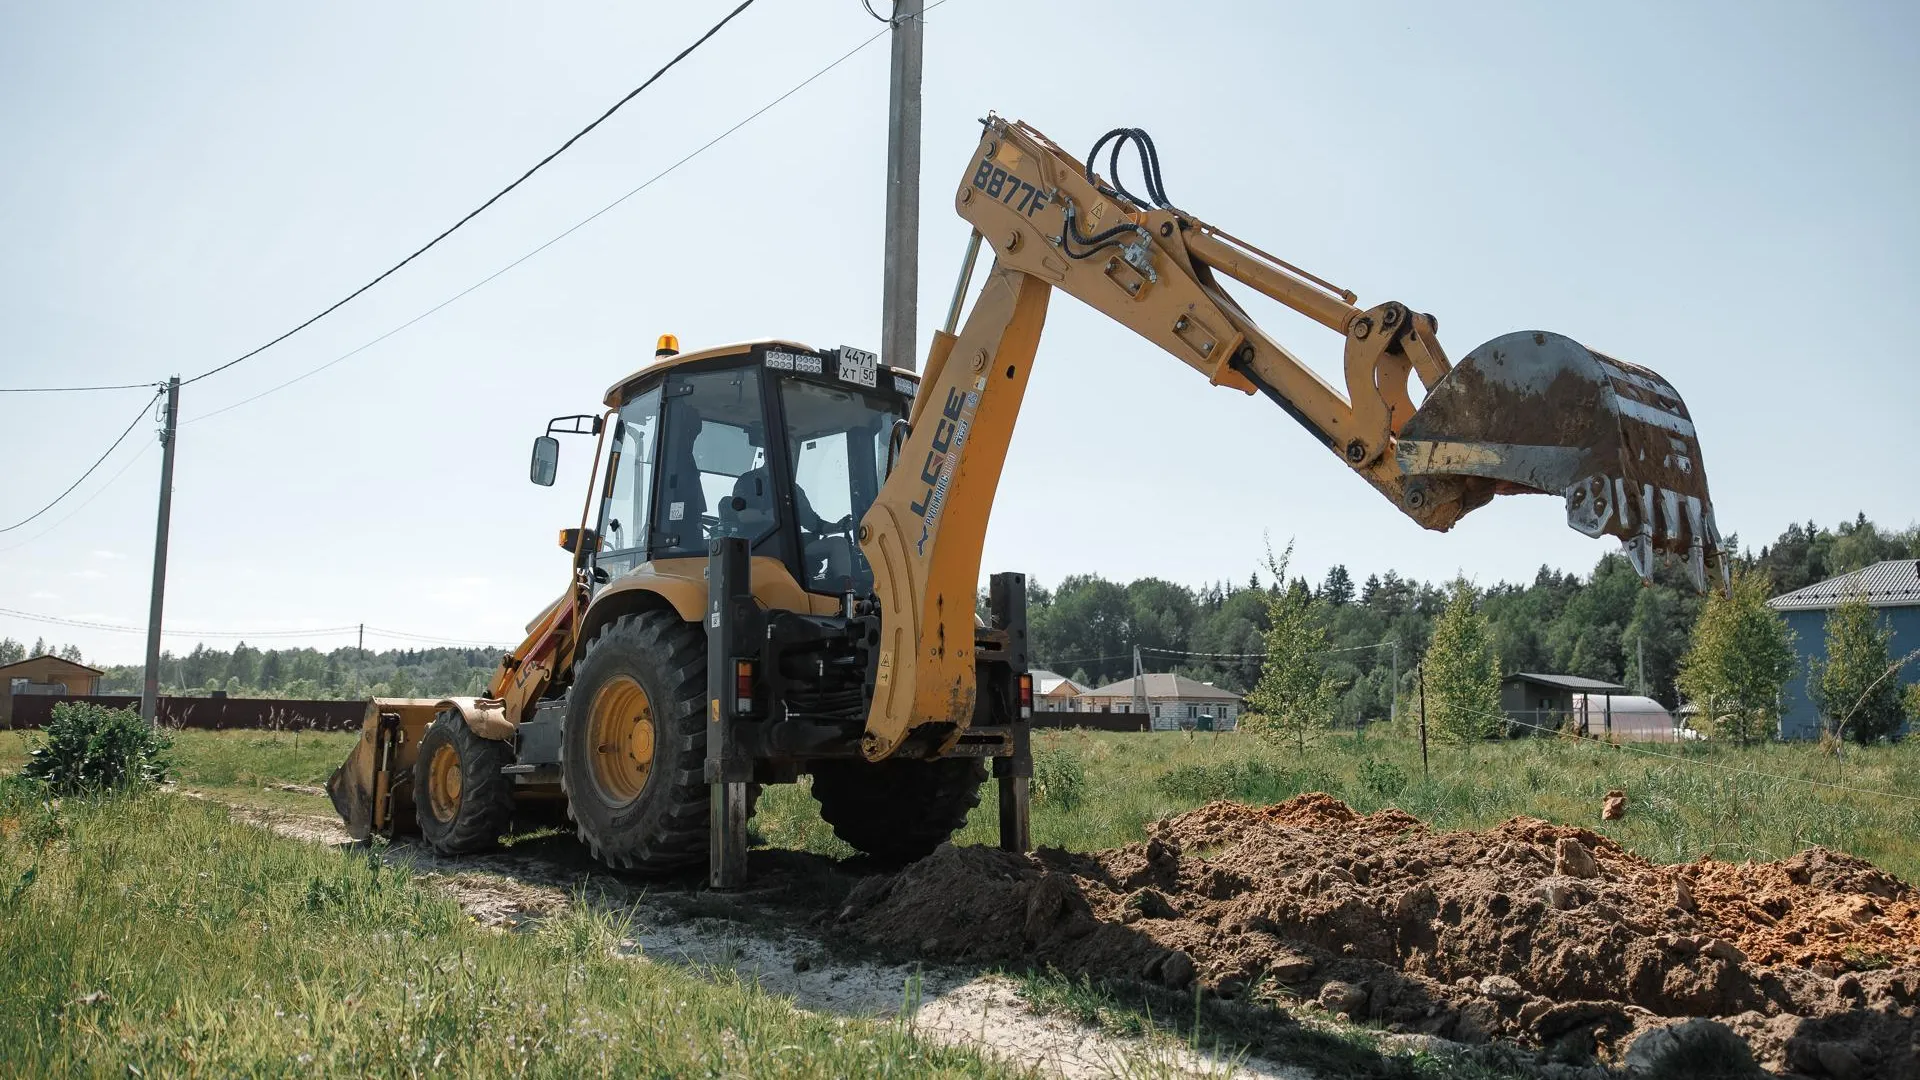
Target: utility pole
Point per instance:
(900, 285)
(1140, 687)
(1640, 661)
(360, 646)
(1393, 700)
(150, 690)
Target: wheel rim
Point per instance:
(443, 783)
(621, 740)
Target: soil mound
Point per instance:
(1546, 935)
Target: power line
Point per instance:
(69, 389)
(476, 211)
(88, 624)
(1051, 665)
(450, 643)
(84, 503)
(1256, 656)
(90, 469)
(318, 631)
(569, 231)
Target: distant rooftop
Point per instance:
(1568, 682)
(49, 658)
(1046, 682)
(1165, 685)
(1895, 583)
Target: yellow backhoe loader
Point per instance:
(775, 569)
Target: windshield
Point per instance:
(714, 479)
(838, 440)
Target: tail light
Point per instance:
(742, 686)
(1026, 696)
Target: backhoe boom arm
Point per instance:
(1526, 412)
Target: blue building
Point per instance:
(1893, 588)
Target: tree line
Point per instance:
(1737, 658)
(1601, 625)
(301, 674)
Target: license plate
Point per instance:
(858, 366)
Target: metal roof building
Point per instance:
(1892, 588)
(1534, 702)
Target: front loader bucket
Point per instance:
(1534, 411)
(351, 789)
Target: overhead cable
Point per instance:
(398, 635)
(90, 469)
(478, 210)
(88, 624)
(70, 389)
(317, 631)
(569, 231)
(84, 503)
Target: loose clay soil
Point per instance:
(1544, 935)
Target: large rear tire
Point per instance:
(897, 810)
(463, 801)
(633, 754)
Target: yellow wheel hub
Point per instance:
(620, 739)
(443, 782)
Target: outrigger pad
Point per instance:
(1534, 411)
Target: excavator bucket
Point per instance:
(1539, 412)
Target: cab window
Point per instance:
(714, 474)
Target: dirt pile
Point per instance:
(1546, 935)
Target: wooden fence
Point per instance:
(1102, 720)
(32, 711)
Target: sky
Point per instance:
(1720, 191)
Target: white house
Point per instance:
(1172, 701)
(1053, 692)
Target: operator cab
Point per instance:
(777, 443)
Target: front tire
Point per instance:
(897, 810)
(463, 801)
(633, 754)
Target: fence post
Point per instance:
(1422, 672)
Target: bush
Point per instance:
(88, 748)
(1383, 778)
(1059, 777)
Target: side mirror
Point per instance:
(546, 460)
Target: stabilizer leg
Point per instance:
(1007, 603)
(730, 613)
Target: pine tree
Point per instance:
(1462, 672)
(1337, 589)
(1739, 658)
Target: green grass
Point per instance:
(154, 932)
(150, 935)
(1701, 800)
(238, 766)
(1695, 803)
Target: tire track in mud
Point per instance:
(520, 885)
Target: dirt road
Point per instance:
(742, 934)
